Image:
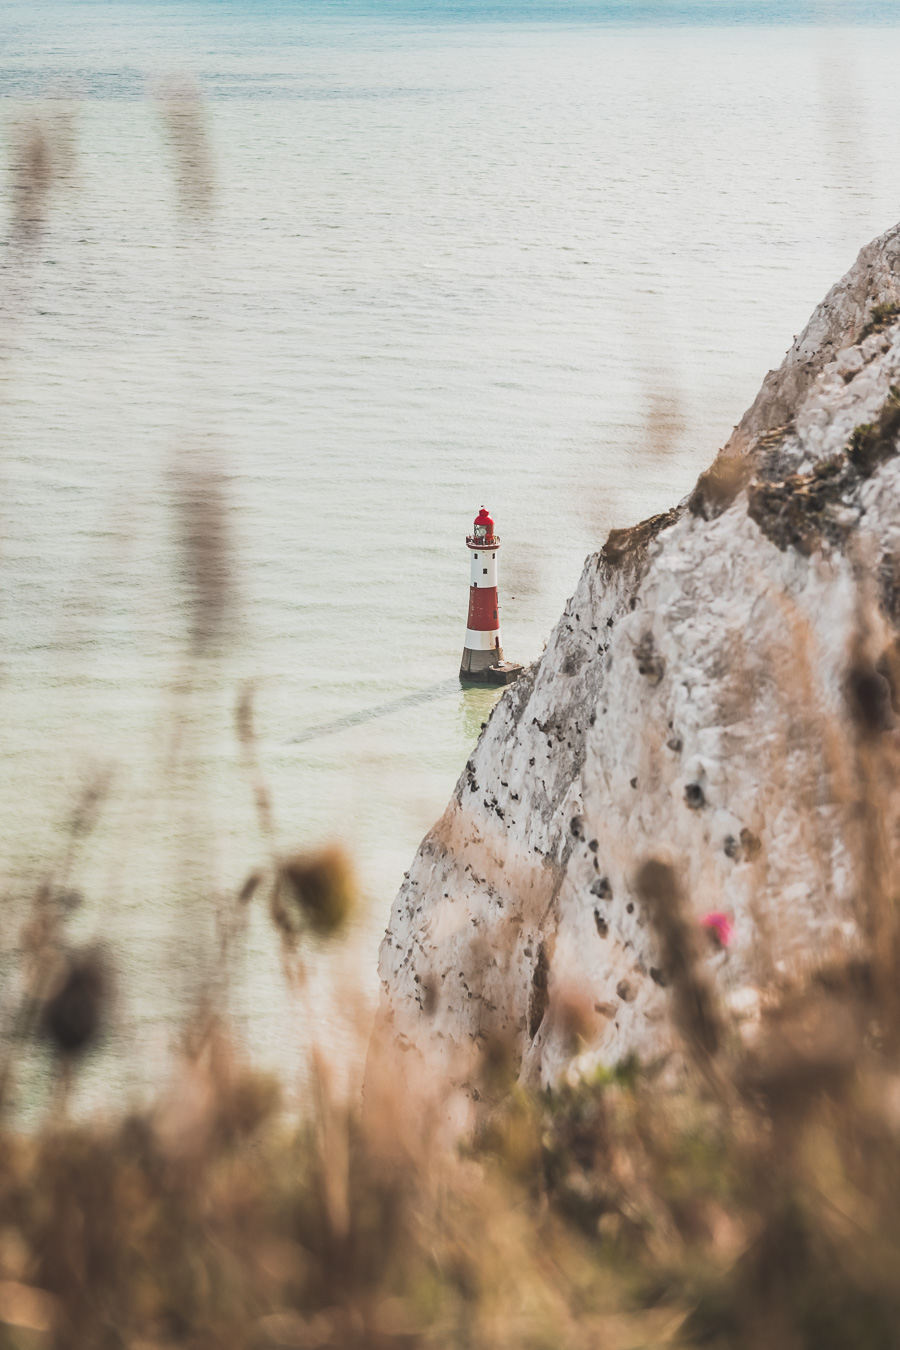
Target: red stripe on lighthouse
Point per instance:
(483, 609)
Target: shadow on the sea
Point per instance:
(475, 705)
(380, 710)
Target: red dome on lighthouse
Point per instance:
(484, 525)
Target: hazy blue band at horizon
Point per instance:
(54, 46)
(618, 12)
(778, 13)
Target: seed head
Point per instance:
(73, 1015)
(315, 891)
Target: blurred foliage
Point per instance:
(737, 1193)
(315, 891)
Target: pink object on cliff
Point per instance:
(718, 926)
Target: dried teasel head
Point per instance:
(76, 1006)
(183, 116)
(313, 892)
(32, 179)
(201, 502)
(42, 155)
(870, 691)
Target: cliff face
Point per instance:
(691, 703)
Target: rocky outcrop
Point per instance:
(691, 703)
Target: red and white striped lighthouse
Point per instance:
(482, 658)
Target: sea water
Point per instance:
(537, 257)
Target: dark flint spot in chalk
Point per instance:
(593, 845)
(694, 796)
(602, 925)
(731, 847)
(649, 662)
(658, 977)
(630, 907)
(602, 889)
(634, 782)
(750, 843)
(674, 743)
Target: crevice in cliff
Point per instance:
(805, 509)
(539, 997)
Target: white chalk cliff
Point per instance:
(691, 703)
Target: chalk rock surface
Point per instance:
(691, 703)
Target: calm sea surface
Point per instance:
(527, 256)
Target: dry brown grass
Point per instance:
(746, 1200)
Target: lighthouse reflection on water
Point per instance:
(476, 703)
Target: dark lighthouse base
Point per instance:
(502, 672)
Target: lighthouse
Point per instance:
(482, 658)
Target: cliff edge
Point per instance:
(692, 703)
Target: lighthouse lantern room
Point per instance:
(482, 658)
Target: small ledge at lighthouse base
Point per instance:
(500, 672)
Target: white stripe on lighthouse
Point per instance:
(484, 568)
(481, 641)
